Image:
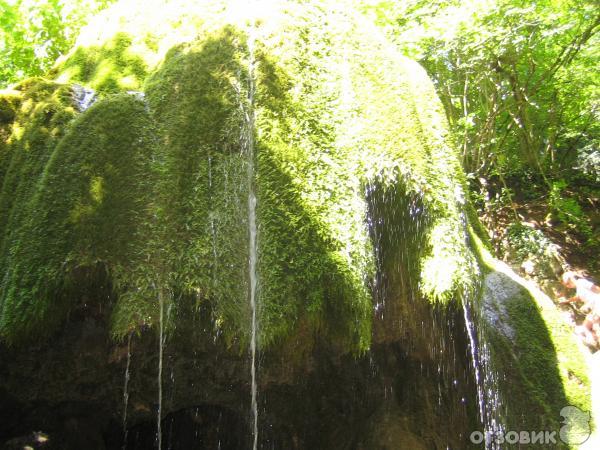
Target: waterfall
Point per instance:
(474, 350)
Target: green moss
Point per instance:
(32, 114)
(476, 228)
(41, 112)
(9, 104)
(10, 101)
(332, 127)
(86, 206)
(314, 243)
(111, 67)
(195, 98)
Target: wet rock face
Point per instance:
(70, 389)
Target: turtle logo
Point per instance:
(576, 429)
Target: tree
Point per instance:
(520, 86)
(34, 33)
(518, 79)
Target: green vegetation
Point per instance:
(530, 246)
(75, 206)
(112, 67)
(354, 167)
(41, 111)
(33, 34)
(543, 368)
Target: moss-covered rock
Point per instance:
(323, 112)
(76, 208)
(9, 105)
(39, 120)
(541, 368)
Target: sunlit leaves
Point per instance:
(34, 33)
(516, 77)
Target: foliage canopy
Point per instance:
(33, 33)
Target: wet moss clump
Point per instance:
(36, 115)
(338, 114)
(9, 104)
(198, 98)
(77, 209)
(10, 101)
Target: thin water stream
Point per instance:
(253, 282)
(474, 347)
(160, 368)
(247, 138)
(126, 392)
(487, 390)
(252, 233)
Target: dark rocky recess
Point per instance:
(68, 390)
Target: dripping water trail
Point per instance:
(252, 232)
(474, 358)
(126, 391)
(160, 368)
(252, 225)
(213, 231)
(486, 377)
(484, 380)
